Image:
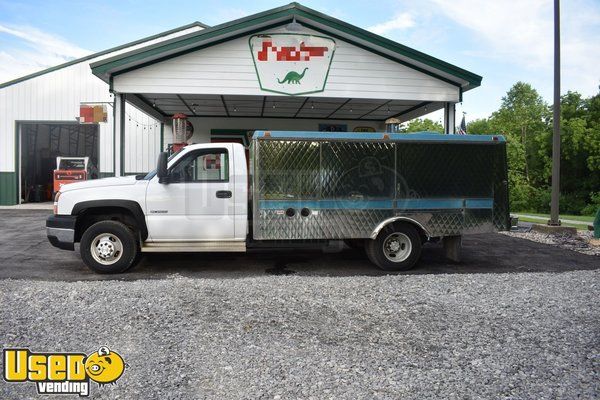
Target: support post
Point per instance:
(119, 134)
(555, 197)
(162, 136)
(449, 118)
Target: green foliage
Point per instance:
(480, 127)
(420, 125)
(526, 122)
(594, 207)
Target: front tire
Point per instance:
(396, 248)
(108, 247)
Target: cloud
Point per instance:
(27, 50)
(399, 22)
(521, 33)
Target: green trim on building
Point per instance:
(103, 52)
(106, 174)
(8, 188)
(193, 41)
(16, 184)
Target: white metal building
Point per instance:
(289, 68)
(45, 106)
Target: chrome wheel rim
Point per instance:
(106, 249)
(397, 247)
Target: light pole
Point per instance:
(554, 209)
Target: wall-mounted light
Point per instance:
(294, 26)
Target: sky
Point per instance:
(504, 41)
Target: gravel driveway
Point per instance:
(447, 336)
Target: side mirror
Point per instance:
(161, 167)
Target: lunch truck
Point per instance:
(388, 193)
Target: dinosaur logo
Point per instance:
(290, 63)
(293, 77)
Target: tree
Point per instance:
(525, 120)
(580, 152)
(480, 126)
(421, 125)
(523, 116)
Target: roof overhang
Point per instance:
(162, 106)
(110, 67)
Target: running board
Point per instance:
(174, 247)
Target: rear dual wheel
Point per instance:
(396, 248)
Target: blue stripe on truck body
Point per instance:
(400, 204)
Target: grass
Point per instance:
(585, 220)
(582, 218)
(582, 227)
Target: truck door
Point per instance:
(198, 201)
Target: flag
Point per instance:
(462, 130)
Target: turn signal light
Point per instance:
(55, 207)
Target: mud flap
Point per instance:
(452, 247)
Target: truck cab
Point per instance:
(196, 200)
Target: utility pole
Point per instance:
(554, 209)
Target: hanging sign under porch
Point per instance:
(290, 63)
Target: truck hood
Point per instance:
(99, 183)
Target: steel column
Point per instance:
(554, 203)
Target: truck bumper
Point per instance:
(60, 230)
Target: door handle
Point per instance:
(224, 194)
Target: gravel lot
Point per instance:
(583, 242)
(447, 336)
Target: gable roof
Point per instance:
(308, 17)
(104, 52)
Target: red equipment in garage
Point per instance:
(70, 170)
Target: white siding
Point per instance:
(228, 69)
(142, 140)
(56, 96)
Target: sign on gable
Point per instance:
(290, 63)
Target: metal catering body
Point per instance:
(308, 185)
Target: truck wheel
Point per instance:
(108, 247)
(396, 248)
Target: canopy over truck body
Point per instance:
(308, 185)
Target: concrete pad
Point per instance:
(554, 230)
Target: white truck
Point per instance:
(388, 193)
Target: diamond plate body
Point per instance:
(341, 189)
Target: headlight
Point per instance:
(56, 203)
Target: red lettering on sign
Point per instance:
(304, 53)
